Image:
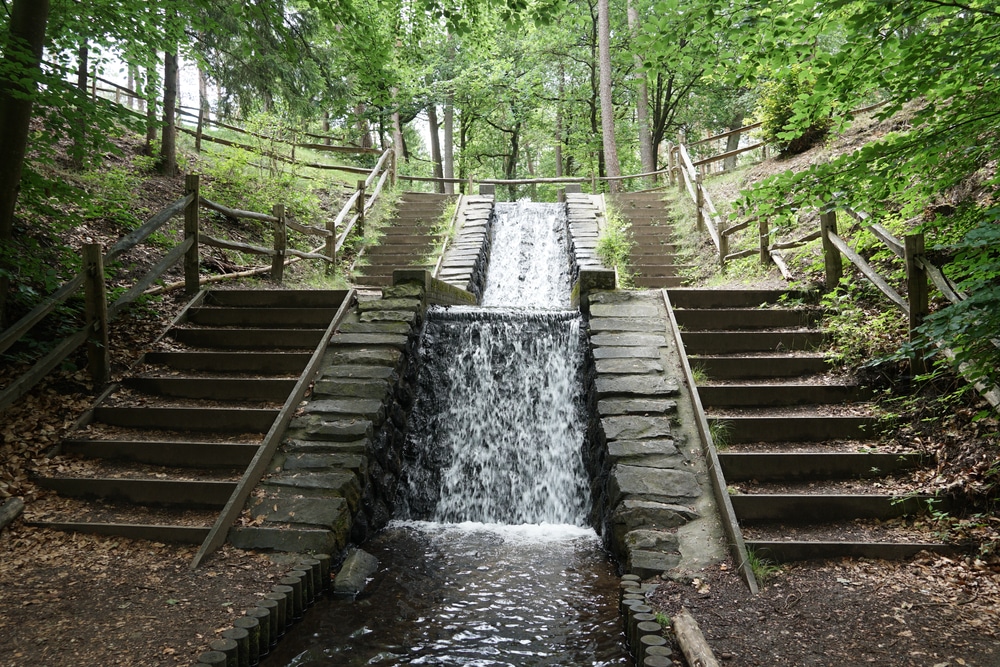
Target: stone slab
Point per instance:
(634, 513)
(388, 316)
(635, 427)
(636, 385)
(317, 427)
(414, 305)
(652, 540)
(363, 355)
(648, 564)
(390, 327)
(651, 483)
(646, 298)
(642, 324)
(369, 339)
(351, 388)
(637, 448)
(628, 340)
(284, 539)
(628, 366)
(329, 513)
(626, 353)
(636, 406)
(354, 462)
(354, 573)
(357, 371)
(624, 310)
(340, 483)
(411, 290)
(368, 408)
(326, 446)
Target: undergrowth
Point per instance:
(614, 246)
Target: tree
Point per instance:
(611, 164)
(19, 75)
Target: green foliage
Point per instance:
(614, 246)
(785, 121)
(861, 323)
(763, 569)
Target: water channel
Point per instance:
(490, 561)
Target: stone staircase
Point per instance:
(162, 453)
(797, 444)
(408, 241)
(653, 250)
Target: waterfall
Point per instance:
(497, 430)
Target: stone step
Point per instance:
(248, 338)
(794, 428)
(823, 508)
(694, 297)
(263, 363)
(176, 453)
(797, 466)
(732, 342)
(149, 491)
(718, 319)
(658, 270)
(771, 395)
(218, 389)
(215, 316)
(411, 259)
(409, 240)
(277, 298)
(759, 367)
(234, 420)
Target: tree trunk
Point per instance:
(202, 107)
(364, 132)
(611, 164)
(131, 85)
(151, 124)
(22, 54)
(647, 153)
(397, 130)
(168, 140)
(510, 166)
(76, 151)
(559, 121)
(326, 128)
(432, 120)
(449, 143)
(733, 141)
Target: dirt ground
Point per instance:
(932, 612)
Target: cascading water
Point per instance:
(490, 561)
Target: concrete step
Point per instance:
(799, 466)
(733, 342)
(217, 316)
(773, 395)
(653, 270)
(409, 240)
(759, 367)
(374, 281)
(393, 260)
(175, 453)
(262, 363)
(217, 389)
(694, 297)
(822, 508)
(794, 428)
(719, 319)
(641, 252)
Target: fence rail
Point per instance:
(99, 313)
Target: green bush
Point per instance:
(789, 119)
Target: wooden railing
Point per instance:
(99, 313)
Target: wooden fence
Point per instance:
(91, 277)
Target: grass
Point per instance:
(614, 247)
(763, 569)
(720, 430)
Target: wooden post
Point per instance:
(670, 163)
(191, 224)
(834, 265)
(765, 241)
(98, 361)
(392, 169)
(723, 244)
(918, 293)
(593, 183)
(699, 194)
(331, 246)
(361, 210)
(679, 168)
(280, 243)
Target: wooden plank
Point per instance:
(742, 253)
(785, 245)
(12, 334)
(42, 367)
(723, 156)
(884, 235)
(140, 287)
(307, 229)
(142, 233)
(272, 439)
(869, 272)
(376, 169)
(723, 135)
(691, 640)
(738, 227)
(351, 150)
(234, 245)
(941, 281)
(236, 213)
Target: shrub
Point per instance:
(789, 118)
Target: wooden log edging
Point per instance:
(256, 633)
(646, 638)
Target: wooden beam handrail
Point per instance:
(42, 367)
(788, 245)
(869, 272)
(139, 235)
(732, 153)
(138, 289)
(886, 237)
(941, 281)
(236, 213)
(377, 168)
(723, 135)
(306, 229)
